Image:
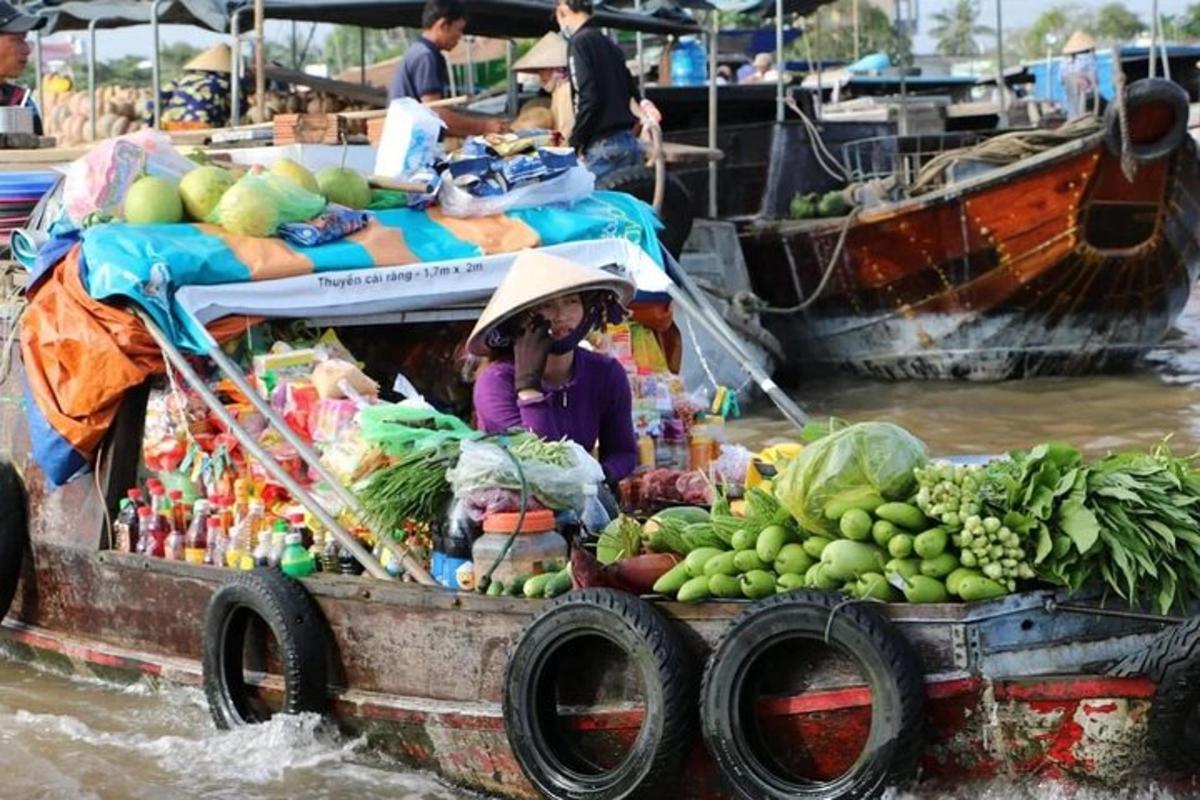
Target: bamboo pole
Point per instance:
(260, 60)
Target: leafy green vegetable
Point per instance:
(621, 538)
(414, 487)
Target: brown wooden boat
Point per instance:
(1055, 264)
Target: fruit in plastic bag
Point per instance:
(259, 203)
(202, 188)
(344, 186)
(153, 200)
(290, 170)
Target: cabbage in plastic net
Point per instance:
(868, 456)
(259, 203)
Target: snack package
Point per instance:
(96, 183)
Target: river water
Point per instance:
(68, 738)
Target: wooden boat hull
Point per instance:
(1054, 265)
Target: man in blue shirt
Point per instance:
(424, 76)
(14, 55)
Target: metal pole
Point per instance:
(1000, 67)
(1153, 66)
(260, 62)
(155, 66)
(295, 48)
(712, 110)
(37, 71)
(172, 354)
(510, 54)
(235, 90)
(362, 56)
(92, 77)
(779, 104)
(857, 29)
(641, 64)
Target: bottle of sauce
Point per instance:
(317, 548)
(195, 546)
(295, 560)
(175, 543)
(216, 535)
(238, 546)
(296, 525)
(262, 548)
(160, 505)
(180, 510)
(154, 532)
(126, 525)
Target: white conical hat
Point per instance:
(534, 278)
(550, 52)
(1079, 42)
(218, 58)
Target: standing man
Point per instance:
(14, 55)
(602, 90)
(424, 76)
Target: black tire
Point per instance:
(1165, 652)
(294, 620)
(1147, 92)
(677, 201)
(893, 673)
(651, 766)
(14, 533)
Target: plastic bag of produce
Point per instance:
(397, 428)
(868, 456)
(558, 486)
(571, 186)
(259, 203)
(96, 183)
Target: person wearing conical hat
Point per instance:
(539, 378)
(548, 59)
(1079, 74)
(201, 96)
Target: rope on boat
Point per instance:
(1128, 162)
(12, 296)
(749, 303)
(820, 150)
(1007, 148)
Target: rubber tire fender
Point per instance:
(652, 766)
(676, 212)
(14, 533)
(892, 669)
(1150, 90)
(299, 628)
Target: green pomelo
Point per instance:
(245, 211)
(289, 170)
(344, 186)
(153, 200)
(202, 188)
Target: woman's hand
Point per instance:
(530, 350)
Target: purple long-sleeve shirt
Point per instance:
(594, 406)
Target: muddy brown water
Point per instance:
(70, 738)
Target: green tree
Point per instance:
(344, 47)
(956, 28)
(830, 34)
(1115, 22)
(1188, 22)
(1058, 21)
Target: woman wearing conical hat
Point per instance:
(540, 379)
(1079, 74)
(200, 97)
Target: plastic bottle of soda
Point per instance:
(296, 525)
(278, 540)
(219, 542)
(295, 560)
(180, 509)
(153, 531)
(236, 547)
(160, 504)
(195, 547)
(262, 550)
(126, 525)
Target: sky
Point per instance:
(1017, 14)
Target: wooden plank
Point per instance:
(353, 92)
(679, 153)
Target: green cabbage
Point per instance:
(876, 456)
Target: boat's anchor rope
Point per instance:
(1128, 163)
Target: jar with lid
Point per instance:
(536, 542)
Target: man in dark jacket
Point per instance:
(14, 55)
(602, 90)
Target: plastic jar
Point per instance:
(537, 542)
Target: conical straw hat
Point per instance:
(1079, 42)
(214, 59)
(550, 52)
(534, 278)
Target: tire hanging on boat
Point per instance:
(677, 201)
(14, 533)
(1151, 91)
(892, 671)
(299, 629)
(653, 648)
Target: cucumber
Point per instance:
(923, 589)
(846, 560)
(883, 531)
(792, 558)
(695, 590)
(757, 584)
(789, 582)
(814, 545)
(855, 524)
(856, 499)
(930, 544)
(976, 587)
(900, 545)
(721, 565)
(873, 586)
(748, 560)
(536, 586)
(903, 514)
(770, 542)
(725, 586)
(696, 560)
(743, 539)
(904, 567)
(559, 583)
(517, 585)
(672, 580)
(939, 566)
(956, 577)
